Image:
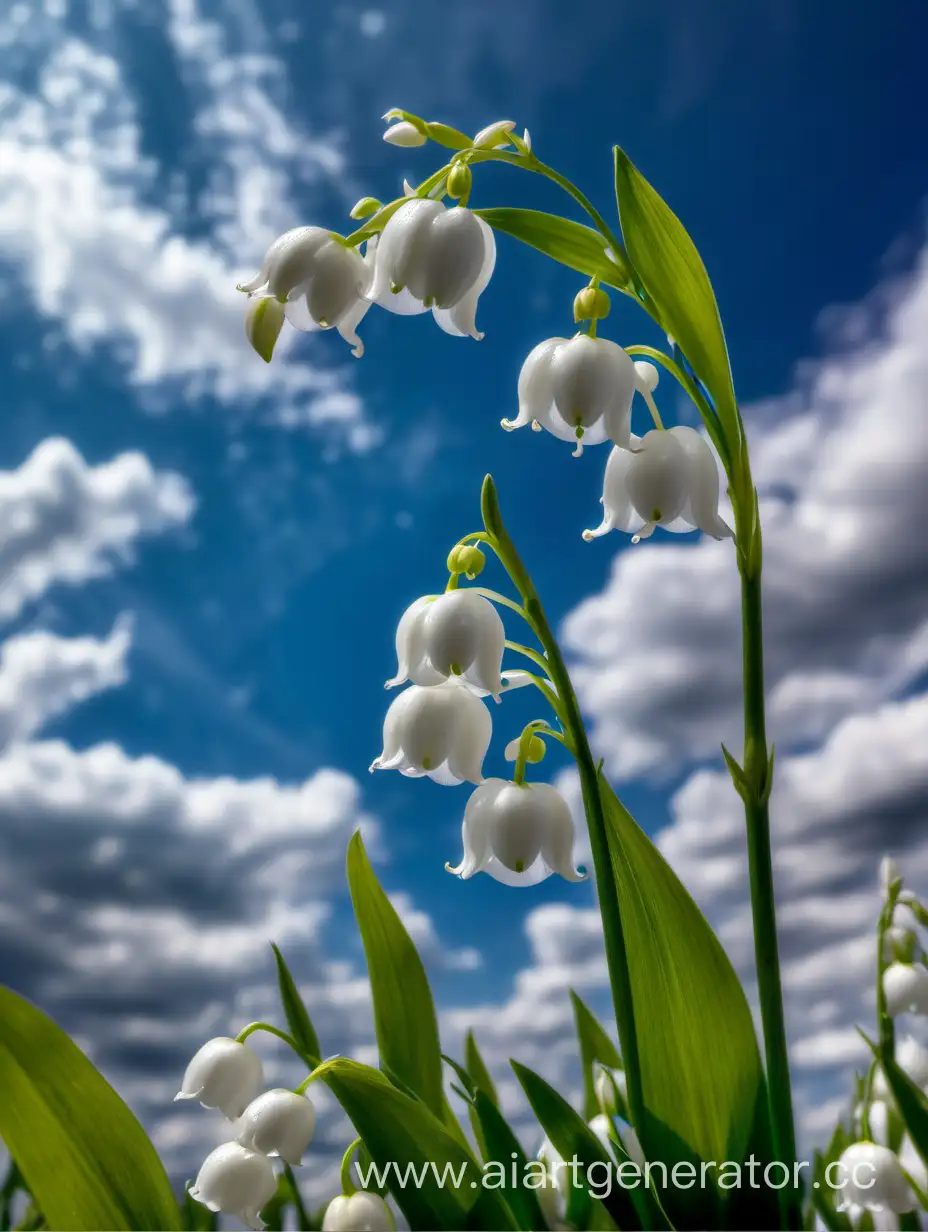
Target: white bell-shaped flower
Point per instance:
(224, 1074)
(357, 1212)
(443, 731)
(404, 134)
(236, 1181)
(900, 944)
(912, 1059)
(322, 282)
(431, 257)
(667, 478)
(495, 135)
(905, 986)
(580, 389)
(279, 1122)
(458, 633)
(519, 833)
(869, 1178)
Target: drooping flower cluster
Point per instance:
(450, 647)
(238, 1178)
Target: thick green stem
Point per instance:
(613, 934)
(757, 768)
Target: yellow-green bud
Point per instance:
(466, 559)
(365, 207)
(536, 750)
(591, 304)
(264, 318)
(459, 180)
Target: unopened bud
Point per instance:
(889, 872)
(466, 559)
(459, 180)
(536, 750)
(450, 138)
(365, 207)
(405, 134)
(591, 304)
(264, 318)
(494, 135)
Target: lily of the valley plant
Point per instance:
(689, 1083)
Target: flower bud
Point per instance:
(591, 304)
(870, 1178)
(905, 988)
(236, 1181)
(495, 135)
(467, 559)
(450, 138)
(535, 754)
(357, 1212)
(459, 180)
(279, 1122)
(607, 1090)
(224, 1074)
(264, 318)
(889, 872)
(365, 207)
(404, 134)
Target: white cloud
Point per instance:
(64, 521)
(42, 676)
(842, 468)
(97, 229)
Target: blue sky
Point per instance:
(277, 521)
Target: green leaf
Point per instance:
(474, 1064)
(579, 248)
(701, 1072)
(404, 1013)
(675, 281)
(572, 1138)
(595, 1045)
(85, 1158)
(409, 1144)
(501, 1147)
(298, 1020)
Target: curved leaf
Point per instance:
(85, 1158)
(675, 280)
(911, 1102)
(573, 1139)
(435, 1180)
(298, 1020)
(701, 1072)
(404, 1012)
(476, 1068)
(579, 248)
(595, 1045)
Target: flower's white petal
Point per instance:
(409, 639)
(558, 839)
(478, 814)
(906, 989)
(511, 751)
(536, 391)
(517, 828)
(455, 251)
(348, 324)
(236, 1181)
(294, 259)
(430, 726)
(275, 254)
(537, 872)
(444, 776)
(404, 134)
(483, 662)
(592, 377)
(518, 679)
(472, 734)
(494, 135)
(298, 314)
(702, 482)
(279, 1123)
(618, 511)
(396, 246)
(393, 727)
(656, 481)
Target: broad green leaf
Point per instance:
(435, 1180)
(404, 1013)
(573, 1139)
(474, 1064)
(595, 1045)
(674, 279)
(701, 1073)
(298, 1020)
(579, 248)
(502, 1148)
(85, 1158)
